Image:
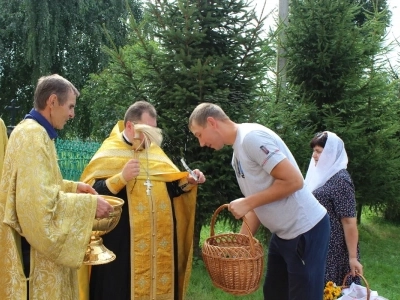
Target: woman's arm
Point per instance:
(351, 238)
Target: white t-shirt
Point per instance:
(256, 151)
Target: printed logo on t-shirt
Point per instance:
(238, 168)
(265, 150)
(268, 153)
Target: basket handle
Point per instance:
(362, 277)
(214, 217)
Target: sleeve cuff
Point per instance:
(185, 186)
(116, 183)
(69, 186)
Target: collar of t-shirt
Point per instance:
(35, 115)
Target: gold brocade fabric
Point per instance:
(151, 219)
(37, 203)
(3, 143)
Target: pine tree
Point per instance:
(334, 60)
(186, 53)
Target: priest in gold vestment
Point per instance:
(45, 221)
(153, 239)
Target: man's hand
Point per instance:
(239, 208)
(200, 176)
(131, 169)
(85, 188)
(104, 209)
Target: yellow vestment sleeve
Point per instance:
(56, 223)
(116, 183)
(69, 186)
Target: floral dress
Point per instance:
(337, 196)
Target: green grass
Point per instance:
(379, 247)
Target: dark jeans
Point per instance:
(296, 268)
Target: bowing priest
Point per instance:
(45, 221)
(154, 237)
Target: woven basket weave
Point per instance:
(234, 261)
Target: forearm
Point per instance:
(279, 190)
(253, 222)
(351, 236)
(287, 180)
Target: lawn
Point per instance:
(379, 246)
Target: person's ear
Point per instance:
(52, 100)
(211, 121)
(129, 125)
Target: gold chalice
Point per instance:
(96, 252)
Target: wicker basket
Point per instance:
(234, 261)
(344, 286)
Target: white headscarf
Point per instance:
(332, 159)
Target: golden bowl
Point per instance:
(105, 225)
(96, 252)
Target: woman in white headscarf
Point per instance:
(331, 184)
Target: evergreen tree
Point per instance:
(334, 61)
(368, 7)
(65, 37)
(190, 52)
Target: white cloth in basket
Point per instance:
(359, 292)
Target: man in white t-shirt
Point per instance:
(274, 196)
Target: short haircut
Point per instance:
(49, 85)
(135, 111)
(205, 110)
(319, 139)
